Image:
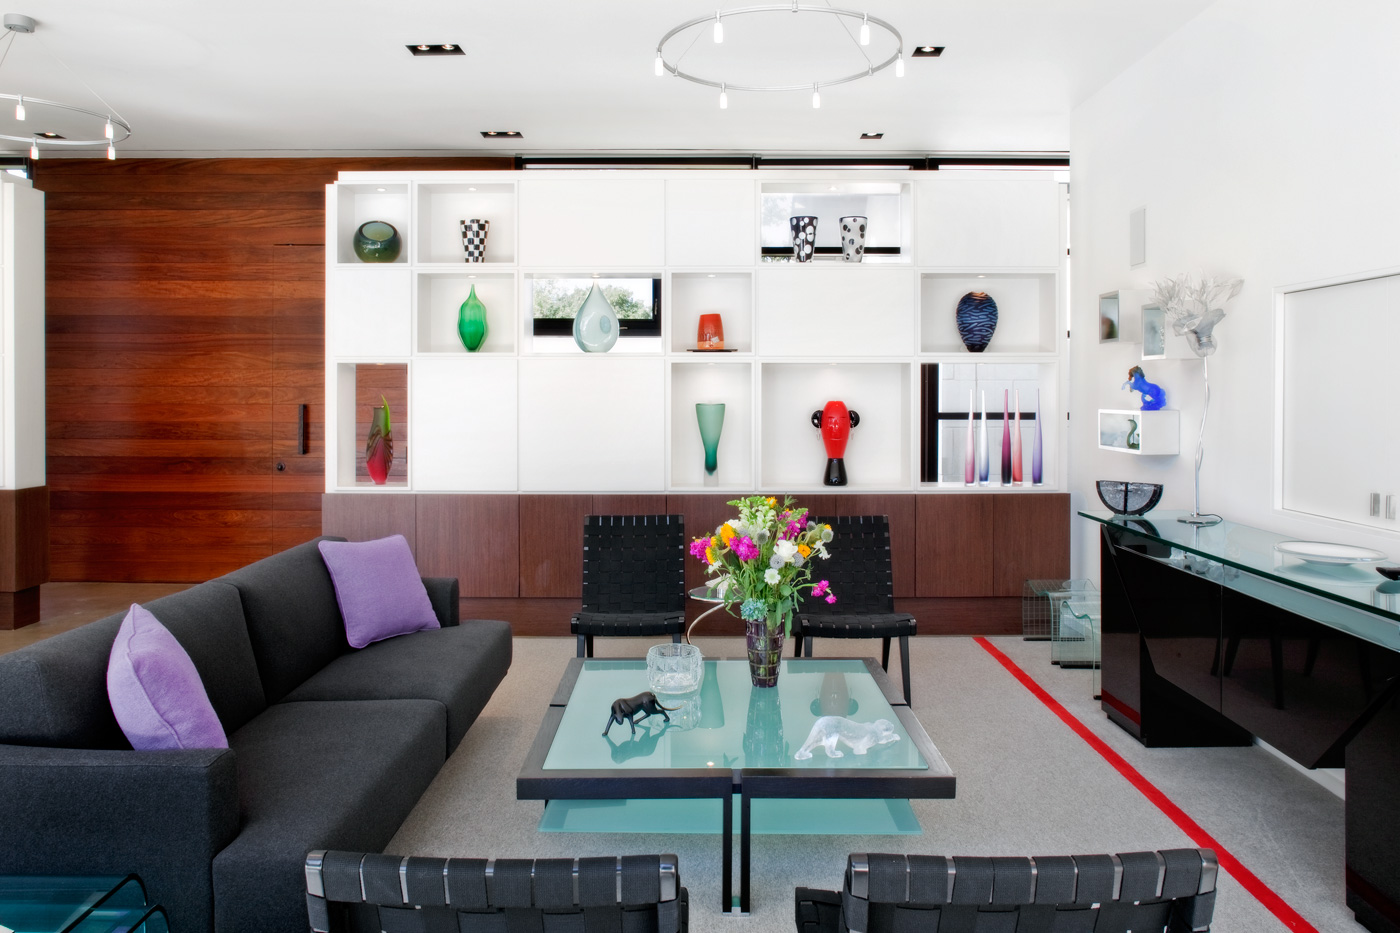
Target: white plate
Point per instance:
(1324, 552)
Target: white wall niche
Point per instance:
(439, 300)
(1142, 433)
(1027, 318)
(878, 455)
(357, 204)
(835, 310)
(712, 380)
(464, 419)
(729, 294)
(367, 311)
(442, 206)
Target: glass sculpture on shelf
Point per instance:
(471, 322)
(709, 333)
(710, 417)
(1005, 437)
(474, 239)
(595, 323)
(853, 238)
(1037, 448)
(804, 237)
(674, 668)
(835, 423)
(379, 445)
(1153, 397)
(1016, 474)
(377, 241)
(831, 732)
(977, 320)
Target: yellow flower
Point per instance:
(772, 501)
(726, 531)
(710, 554)
(804, 550)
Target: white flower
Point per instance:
(771, 577)
(785, 550)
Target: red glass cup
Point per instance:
(710, 334)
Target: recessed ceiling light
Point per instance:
(927, 51)
(51, 136)
(872, 135)
(441, 48)
(502, 134)
(381, 190)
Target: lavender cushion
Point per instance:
(155, 691)
(378, 588)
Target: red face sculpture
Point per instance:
(835, 423)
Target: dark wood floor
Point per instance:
(68, 605)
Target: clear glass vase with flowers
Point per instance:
(762, 562)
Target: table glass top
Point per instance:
(728, 723)
(1349, 597)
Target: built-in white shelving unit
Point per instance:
(531, 413)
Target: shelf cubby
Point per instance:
(729, 294)
(1005, 385)
(442, 206)
(886, 205)
(715, 380)
(792, 453)
(439, 300)
(837, 311)
(359, 203)
(367, 311)
(1026, 311)
(360, 387)
(1143, 433)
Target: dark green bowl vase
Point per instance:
(377, 241)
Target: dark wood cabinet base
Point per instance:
(19, 608)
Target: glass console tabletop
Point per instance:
(94, 904)
(1243, 558)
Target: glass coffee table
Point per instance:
(731, 738)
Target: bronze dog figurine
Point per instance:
(628, 707)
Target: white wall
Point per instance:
(1263, 140)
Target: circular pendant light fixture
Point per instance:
(680, 41)
(94, 128)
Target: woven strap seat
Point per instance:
(1171, 890)
(862, 579)
(633, 578)
(349, 892)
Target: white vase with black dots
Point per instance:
(853, 238)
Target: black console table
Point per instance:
(1211, 637)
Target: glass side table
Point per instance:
(92, 904)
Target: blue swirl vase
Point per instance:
(977, 320)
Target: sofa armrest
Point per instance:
(445, 595)
(163, 815)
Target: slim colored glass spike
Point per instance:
(1006, 437)
(970, 468)
(1037, 448)
(1016, 476)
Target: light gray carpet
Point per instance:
(1027, 785)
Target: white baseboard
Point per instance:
(1334, 779)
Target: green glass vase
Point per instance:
(710, 416)
(471, 322)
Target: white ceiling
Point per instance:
(308, 77)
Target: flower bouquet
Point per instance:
(762, 562)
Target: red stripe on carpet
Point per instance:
(1261, 891)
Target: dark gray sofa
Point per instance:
(330, 747)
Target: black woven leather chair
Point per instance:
(633, 578)
(354, 892)
(1171, 890)
(861, 577)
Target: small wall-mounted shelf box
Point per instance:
(1158, 340)
(1149, 433)
(1120, 315)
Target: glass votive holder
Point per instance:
(674, 668)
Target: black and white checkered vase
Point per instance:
(474, 239)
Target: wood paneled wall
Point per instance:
(186, 320)
(959, 560)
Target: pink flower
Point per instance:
(820, 587)
(831, 598)
(698, 546)
(792, 530)
(744, 548)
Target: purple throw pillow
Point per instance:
(155, 691)
(378, 588)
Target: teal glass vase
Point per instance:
(710, 416)
(595, 323)
(376, 241)
(471, 322)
